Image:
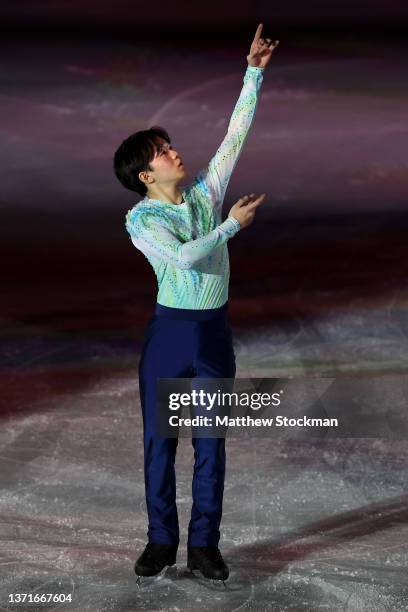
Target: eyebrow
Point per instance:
(160, 148)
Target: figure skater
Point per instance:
(181, 233)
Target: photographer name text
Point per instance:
(248, 421)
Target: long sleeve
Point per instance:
(217, 175)
(155, 239)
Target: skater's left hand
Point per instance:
(261, 49)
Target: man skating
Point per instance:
(182, 235)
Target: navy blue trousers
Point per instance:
(183, 343)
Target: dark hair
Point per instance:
(135, 154)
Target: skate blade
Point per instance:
(146, 581)
(216, 585)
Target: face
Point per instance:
(167, 164)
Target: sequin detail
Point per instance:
(186, 244)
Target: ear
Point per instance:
(145, 177)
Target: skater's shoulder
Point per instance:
(142, 213)
(139, 208)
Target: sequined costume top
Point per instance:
(186, 244)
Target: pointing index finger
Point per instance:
(258, 33)
(257, 202)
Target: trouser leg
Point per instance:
(215, 358)
(166, 354)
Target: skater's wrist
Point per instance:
(232, 225)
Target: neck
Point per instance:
(172, 194)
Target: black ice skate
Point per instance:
(209, 561)
(154, 559)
